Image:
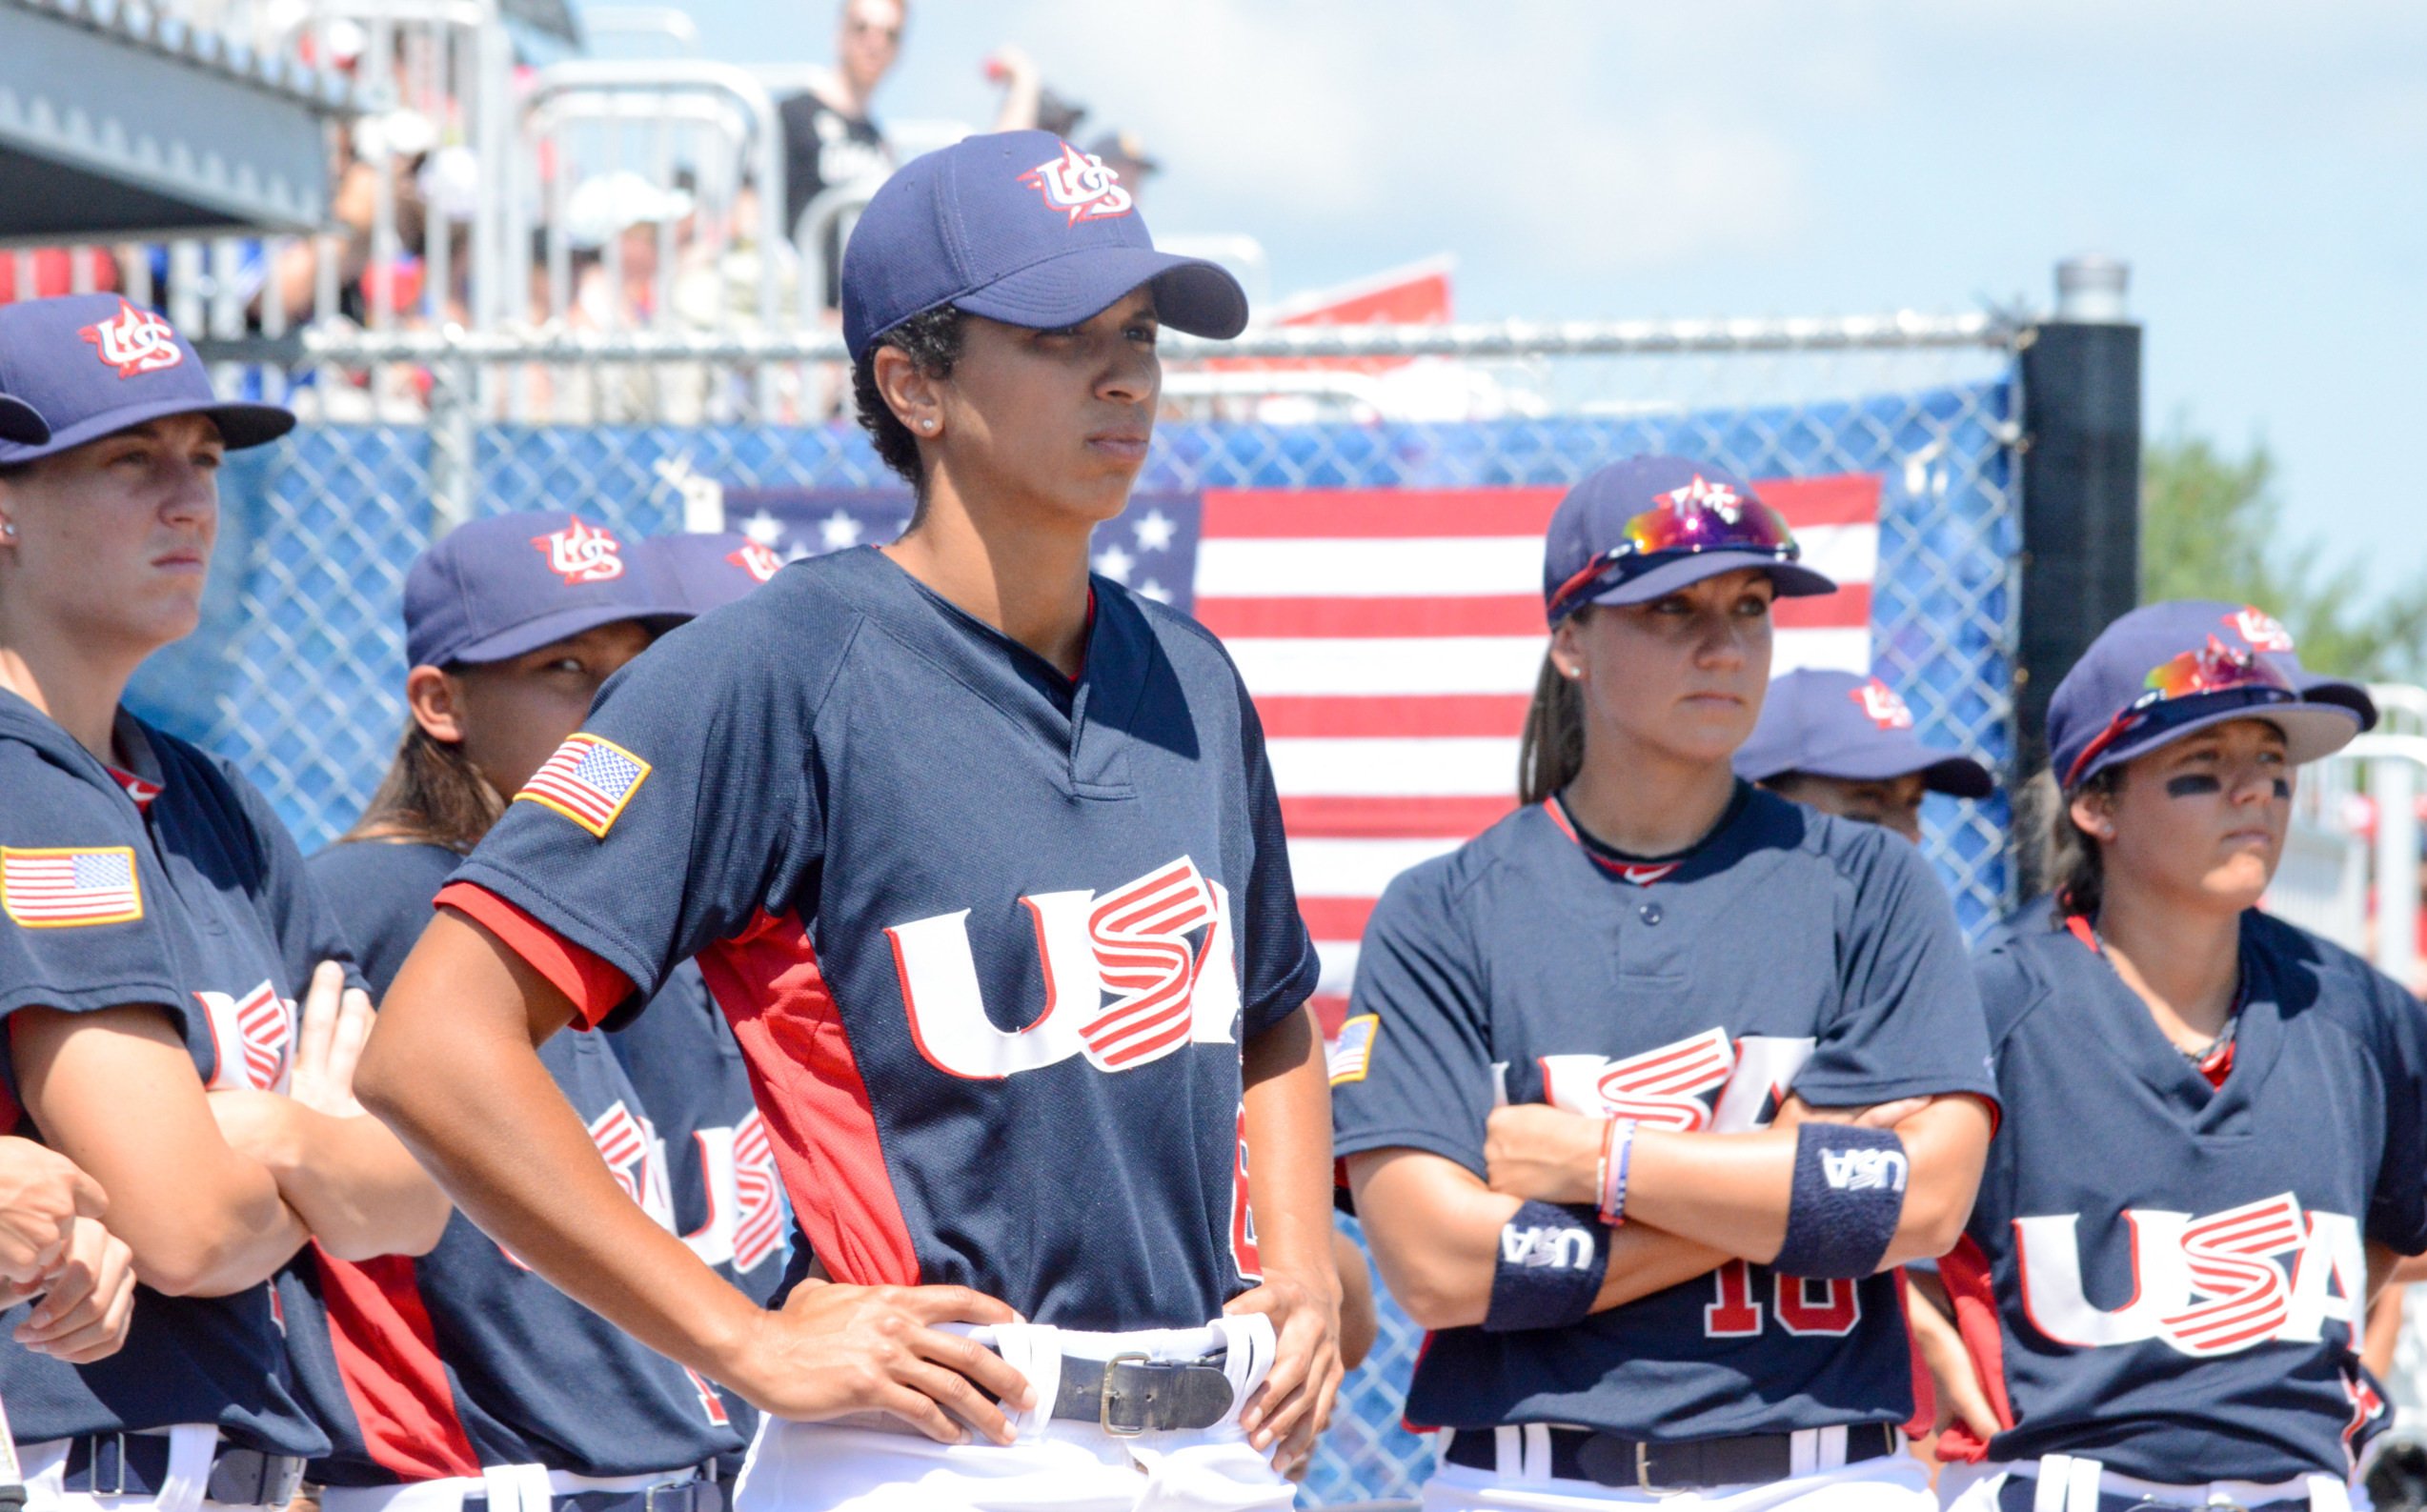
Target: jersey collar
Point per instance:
(141, 779)
(2121, 1019)
(1645, 872)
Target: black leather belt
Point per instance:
(137, 1465)
(1690, 1464)
(687, 1495)
(1131, 1394)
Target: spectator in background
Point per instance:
(828, 137)
(1028, 105)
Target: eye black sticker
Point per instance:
(2195, 784)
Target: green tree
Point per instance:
(2212, 527)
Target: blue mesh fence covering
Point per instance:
(298, 671)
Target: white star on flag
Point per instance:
(1155, 531)
(1115, 563)
(764, 528)
(1155, 591)
(839, 531)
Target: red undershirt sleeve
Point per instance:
(596, 987)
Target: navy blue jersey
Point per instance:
(466, 1357)
(2170, 1275)
(988, 939)
(169, 882)
(1788, 951)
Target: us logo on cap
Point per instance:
(581, 554)
(134, 341)
(757, 560)
(1080, 184)
(1717, 497)
(2262, 630)
(1881, 705)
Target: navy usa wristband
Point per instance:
(1551, 1268)
(1848, 1196)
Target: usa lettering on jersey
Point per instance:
(2206, 1287)
(581, 553)
(134, 341)
(1130, 976)
(745, 1202)
(1080, 184)
(1708, 1083)
(635, 1158)
(252, 1036)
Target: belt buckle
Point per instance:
(649, 1497)
(1643, 1470)
(1104, 1395)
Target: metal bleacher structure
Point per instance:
(500, 258)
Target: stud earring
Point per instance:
(9, 531)
(926, 425)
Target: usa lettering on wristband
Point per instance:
(1617, 1154)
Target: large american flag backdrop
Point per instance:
(1391, 636)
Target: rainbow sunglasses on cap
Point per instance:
(2164, 671)
(1642, 529)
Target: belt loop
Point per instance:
(192, 1446)
(1537, 1451)
(2081, 1494)
(2326, 1494)
(2053, 1492)
(113, 1481)
(1442, 1440)
(1833, 1448)
(1507, 1457)
(1802, 1451)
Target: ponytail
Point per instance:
(2069, 858)
(1551, 750)
(433, 794)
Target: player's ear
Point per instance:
(1568, 646)
(909, 392)
(2093, 810)
(437, 702)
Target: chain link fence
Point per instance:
(298, 672)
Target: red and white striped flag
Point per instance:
(588, 780)
(1391, 638)
(51, 889)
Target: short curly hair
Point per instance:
(931, 339)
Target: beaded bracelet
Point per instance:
(1617, 1153)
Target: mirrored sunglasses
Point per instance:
(2215, 668)
(1701, 516)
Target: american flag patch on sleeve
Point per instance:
(588, 780)
(1349, 1054)
(52, 889)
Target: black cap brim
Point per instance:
(21, 423)
(240, 426)
(1191, 294)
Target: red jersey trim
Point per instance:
(809, 1090)
(1925, 1418)
(596, 987)
(1965, 1272)
(388, 1357)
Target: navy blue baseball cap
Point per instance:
(1642, 529)
(94, 364)
(21, 422)
(508, 584)
(1836, 724)
(2166, 669)
(1023, 228)
(706, 572)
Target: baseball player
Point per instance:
(159, 927)
(1844, 744)
(2211, 1148)
(983, 859)
(1597, 1045)
(463, 1375)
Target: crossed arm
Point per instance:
(1693, 1201)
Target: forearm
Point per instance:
(358, 1188)
(1732, 1192)
(1434, 1230)
(1289, 1134)
(451, 1070)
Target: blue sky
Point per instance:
(2263, 167)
